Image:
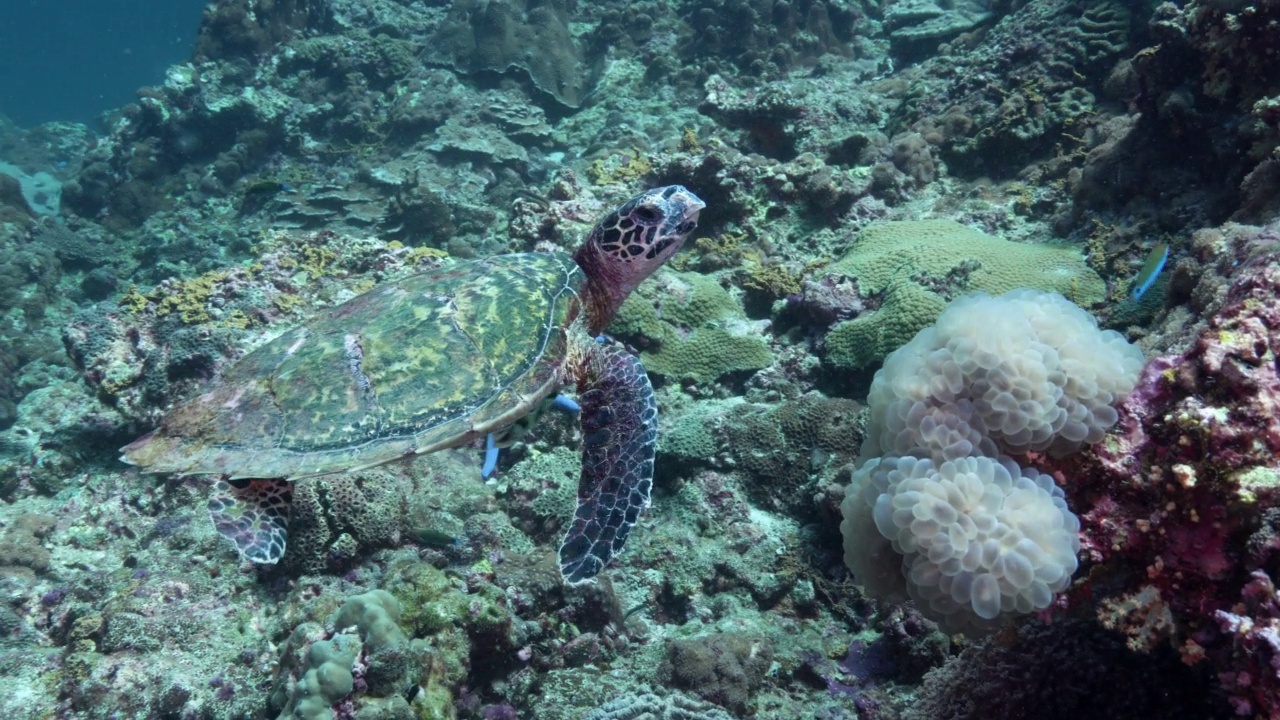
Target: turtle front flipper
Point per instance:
(620, 430)
(253, 515)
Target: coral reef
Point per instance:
(647, 704)
(864, 165)
(1001, 678)
(724, 669)
(364, 663)
(766, 39)
(335, 518)
(915, 268)
(787, 449)
(976, 538)
(689, 328)
(532, 37)
(1211, 73)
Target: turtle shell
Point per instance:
(435, 360)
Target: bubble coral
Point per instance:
(937, 511)
(975, 536)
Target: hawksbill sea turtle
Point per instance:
(439, 360)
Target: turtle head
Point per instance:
(632, 241)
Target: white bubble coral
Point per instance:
(1026, 371)
(974, 539)
(937, 511)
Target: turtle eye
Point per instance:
(647, 214)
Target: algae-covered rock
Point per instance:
(915, 268)
(462, 626)
(784, 450)
(723, 668)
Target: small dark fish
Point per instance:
(433, 538)
(259, 192)
(1150, 271)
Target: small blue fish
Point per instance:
(1150, 271)
(566, 404)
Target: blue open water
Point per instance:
(75, 59)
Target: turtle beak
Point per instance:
(681, 209)
(684, 210)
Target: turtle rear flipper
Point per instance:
(620, 431)
(253, 515)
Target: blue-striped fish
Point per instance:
(1150, 270)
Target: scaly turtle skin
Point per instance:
(434, 361)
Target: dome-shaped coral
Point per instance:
(977, 538)
(936, 510)
(1026, 370)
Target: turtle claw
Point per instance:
(491, 446)
(253, 515)
(490, 457)
(620, 431)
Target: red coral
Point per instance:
(1253, 632)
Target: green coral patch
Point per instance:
(706, 354)
(688, 439)
(917, 267)
(865, 340)
(691, 329)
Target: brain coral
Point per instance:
(917, 267)
(937, 511)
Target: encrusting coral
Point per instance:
(975, 538)
(691, 328)
(1180, 529)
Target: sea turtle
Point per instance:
(439, 360)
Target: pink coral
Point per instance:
(1175, 502)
